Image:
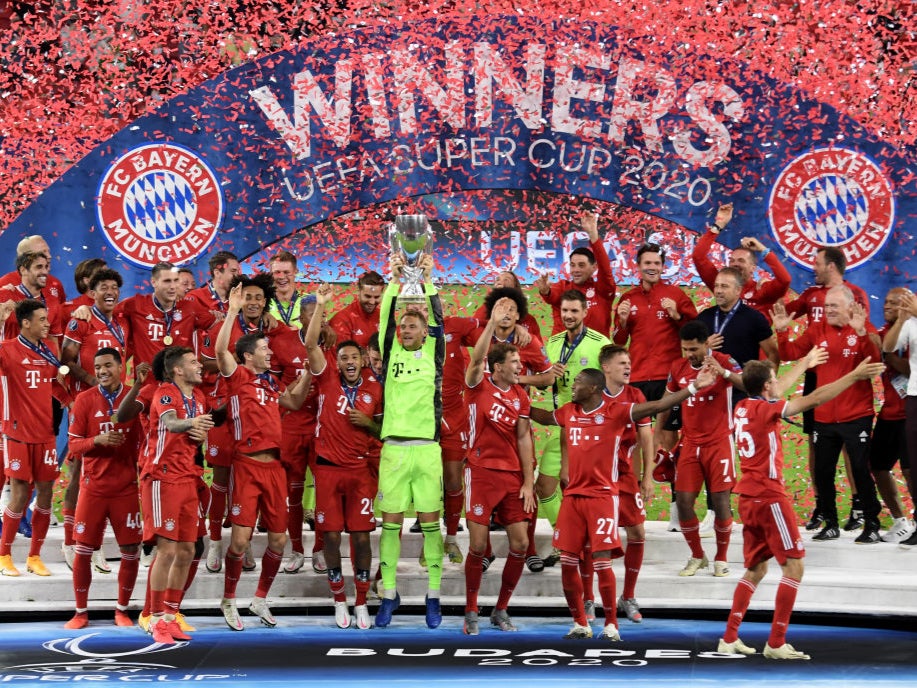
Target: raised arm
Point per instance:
(316, 356)
(705, 378)
(815, 357)
(475, 371)
(866, 370)
(226, 362)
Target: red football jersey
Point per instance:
(653, 335)
(207, 297)
(55, 311)
(95, 334)
(70, 306)
(353, 323)
(493, 415)
(893, 407)
(599, 292)
(107, 471)
(628, 434)
(760, 296)
(149, 324)
(289, 362)
(592, 440)
(846, 350)
(28, 383)
(254, 410)
(811, 302)
(336, 438)
(708, 414)
(459, 336)
(757, 439)
(170, 456)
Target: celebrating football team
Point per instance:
(201, 416)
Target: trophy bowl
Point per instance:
(412, 237)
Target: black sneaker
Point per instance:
(829, 532)
(869, 536)
(487, 561)
(535, 563)
(416, 527)
(856, 520)
(910, 542)
(816, 521)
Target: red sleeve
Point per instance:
(535, 357)
(777, 287)
(671, 385)
(605, 279)
(796, 349)
(798, 306)
(869, 348)
(553, 297)
(525, 404)
(701, 256)
(686, 307)
(78, 443)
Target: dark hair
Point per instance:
(593, 376)
(751, 254)
(162, 267)
(583, 251)
(522, 304)
(651, 248)
(25, 260)
(755, 375)
(84, 270)
(263, 280)
(516, 283)
(609, 351)
(170, 359)
(696, 330)
(158, 364)
(575, 295)
(219, 259)
(246, 344)
(498, 353)
(734, 272)
(284, 257)
(370, 279)
(346, 343)
(105, 274)
(109, 351)
(834, 256)
(373, 343)
(187, 271)
(26, 309)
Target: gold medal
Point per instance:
(63, 370)
(114, 418)
(167, 340)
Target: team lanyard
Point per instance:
(45, 352)
(286, 314)
(716, 317)
(189, 404)
(24, 290)
(350, 392)
(245, 327)
(167, 316)
(112, 326)
(269, 379)
(110, 397)
(566, 351)
(221, 305)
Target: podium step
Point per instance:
(841, 577)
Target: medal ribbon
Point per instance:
(112, 326)
(42, 350)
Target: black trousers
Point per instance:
(829, 439)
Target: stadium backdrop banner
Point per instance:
(368, 116)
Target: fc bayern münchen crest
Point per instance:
(159, 202)
(831, 197)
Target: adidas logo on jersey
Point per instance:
(99, 414)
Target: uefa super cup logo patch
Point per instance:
(832, 197)
(159, 202)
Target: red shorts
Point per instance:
(170, 510)
(257, 487)
(769, 530)
(588, 521)
(372, 462)
(454, 436)
(631, 510)
(712, 462)
(221, 445)
(296, 454)
(31, 463)
(344, 498)
(488, 491)
(122, 512)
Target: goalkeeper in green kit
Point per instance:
(411, 468)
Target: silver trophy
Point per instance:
(412, 237)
